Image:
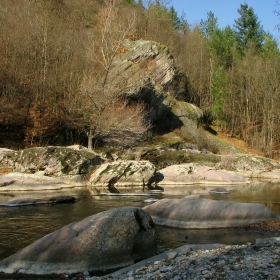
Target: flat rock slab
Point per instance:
(30, 182)
(185, 174)
(38, 201)
(109, 240)
(262, 174)
(206, 213)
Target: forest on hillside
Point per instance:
(55, 57)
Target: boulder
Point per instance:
(53, 160)
(150, 73)
(193, 129)
(119, 175)
(185, 174)
(252, 166)
(36, 201)
(163, 157)
(199, 213)
(108, 240)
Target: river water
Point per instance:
(20, 226)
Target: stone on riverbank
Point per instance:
(108, 240)
(207, 213)
(184, 174)
(122, 175)
(251, 261)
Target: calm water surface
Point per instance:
(20, 226)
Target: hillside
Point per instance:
(114, 73)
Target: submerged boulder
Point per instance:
(198, 212)
(37, 201)
(108, 240)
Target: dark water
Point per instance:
(20, 226)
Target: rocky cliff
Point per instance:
(146, 71)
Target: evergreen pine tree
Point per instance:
(249, 33)
(209, 26)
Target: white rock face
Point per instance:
(123, 173)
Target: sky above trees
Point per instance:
(226, 12)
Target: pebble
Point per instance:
(250, 261)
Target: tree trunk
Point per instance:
(89, 134)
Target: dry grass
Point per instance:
(238, 143)
(5, 170)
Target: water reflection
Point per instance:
(20, 226)
(169, 238)
(267, 193)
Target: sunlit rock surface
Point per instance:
(53, 160)
(196, 212)
(113, 176)
(184, 174)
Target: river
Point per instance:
(20, 226)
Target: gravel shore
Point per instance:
(260, 260)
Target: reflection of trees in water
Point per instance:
(267, 193)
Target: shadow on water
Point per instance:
(20, 226)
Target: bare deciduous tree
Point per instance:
(102, 111)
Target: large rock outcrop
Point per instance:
(146, 71)
(150, 74)
(185, 174)
(192, 129)
(195, 212)
(53, 160)
(122, 176)
(108, 240)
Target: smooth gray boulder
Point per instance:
(120, 175)
(198, 213)
(108, 240)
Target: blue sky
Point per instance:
(226, 12)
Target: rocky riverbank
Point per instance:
(258, 260)
(250, 261)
